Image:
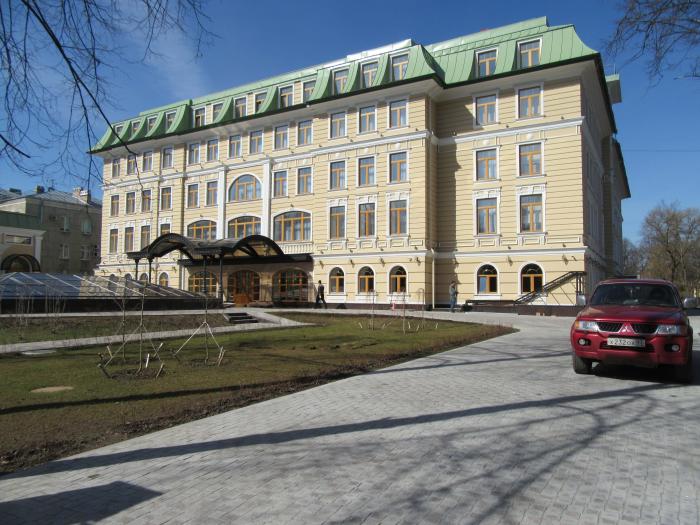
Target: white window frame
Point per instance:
(206, 148)
(160, 198)
(357, 171)
(531, 189)
(334, 204)
(194, 113)
(206, 192)
(187, 195)
(362, 76)
(388, 166)
(274, 136)
(517, 100)
(345, 186)
(220, 103)
(366, 199)
(478, 295)
(150, 123)
(65, 252)
(347, 78)
(245, 106)
(475, 165)
(496, 93)
(255, 96)
(359, 119)
(312, 132)
(296, 180)
(262, 141)
(303, 90)
(286, 194)
(118, 162)
(172, 157)
(388, 113)
(374, 292)
(391, 64)
(260, 182)
(287, 210)
(330, 124)
(476, 62)
(240, 142)
(486, 194)
(199, 153)
(527, 41)
(165, 119)
(279, 95)
(543, 173)
(520, 273)
(392, 197)
(396, 296)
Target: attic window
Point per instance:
(340, 78)
(486, 63)
(529, 53)
(118, 130)
(239, 107)
(199, 117)
(369, 73)
(216, 110)
(169, 119)
(286, 96)
(259, 99)
(135, 127)
(309, 89)
(399, 64)
(150, 123)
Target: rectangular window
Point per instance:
(486, 63)
(486, 165)
(113, 240)
(338, 125)
(192, 195)
(114, 206)
(212, 192)
(259, 100)
(131, 202)
(337, 222)
(17, 239)
(397, 218)
(145, 201)
(397, 114)
(399, 64)
(529, 53)
(212, 150)
(530, 159)
(279, 184)
(167, 157)
(150, 122)
(365, 171)
(486, 215)
(397, 167)
(131, 164)
(135, 127)
(216, 111)
(303, 181)
(199, 117)
(369, 73)
(166, 198)
(239, 107)
(366, 220)
(337, 175)
(304, 133)
(164, 228)
(286, 96)
(193, 153)
(281, 137)
(531, 213)
(115, 168)
(234, 146)
(368, 119)
(66, 224)
(145, 236)
(308, 90)
(147, 161)
(129, 239)
(255, 142)
(169, 119)
(85, 252)
(486, 110)
(340, 78)
(529, 103)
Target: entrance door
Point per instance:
(244, 287)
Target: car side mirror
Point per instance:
(690, 302)
(580, 299)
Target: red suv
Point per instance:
(637, 322)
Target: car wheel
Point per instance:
(684, 373)
(581, 365)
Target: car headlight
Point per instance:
(670, 329)
(587, 326)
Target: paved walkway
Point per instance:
(497, 432)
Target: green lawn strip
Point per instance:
(258, 365)
(52, 328)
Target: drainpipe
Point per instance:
(432, 279)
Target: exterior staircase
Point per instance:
(240, 318)
(553, 285)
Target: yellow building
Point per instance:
(488, 160)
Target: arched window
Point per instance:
(205, 230)
(531, 278)
(487, 279)
(243, 227)
(293, 226)
(163, 279)
(143, 278)
(127, 277)
(397, 280)
(365, 280)
(202, 282)
(244, 188)
(244, 286)
(290, 285)
(336, 281)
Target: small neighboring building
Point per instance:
(21, 238)
(70, 223)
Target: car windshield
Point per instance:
(634, 295)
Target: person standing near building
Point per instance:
(453, 296)
(320, 295)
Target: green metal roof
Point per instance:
(450, 62)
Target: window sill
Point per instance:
(361, 186)
(478, 125)
(521, 177)
(344, 188)
(394, 128)
(534, 117)
(278, 197)
(487, 235)
(531, 234)
(482, 181)
(398, 236)
(309, 194)
(486, 296)
(395, 182)
(370, 132)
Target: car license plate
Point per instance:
(626, 342)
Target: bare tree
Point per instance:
(634, 258)
(666, 32)
(57, 57)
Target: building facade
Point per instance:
(71, 228)
(488, 160)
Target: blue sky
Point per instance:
(657, 122)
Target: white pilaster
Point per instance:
(265, 212)
(37, 246)
(221, 203)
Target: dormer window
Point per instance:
(486, 63)
(135, 127)
(169, 119)
(529, 53)
(239, 107)
(340, 78)
(399, 65)
(199, 117)
(216, 110)
(369, 73)
(118, 130)
(286, 96)
(308, 89)
(150, 123)
(259, 99)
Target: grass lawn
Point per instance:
(37, 427)
(15, 330)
